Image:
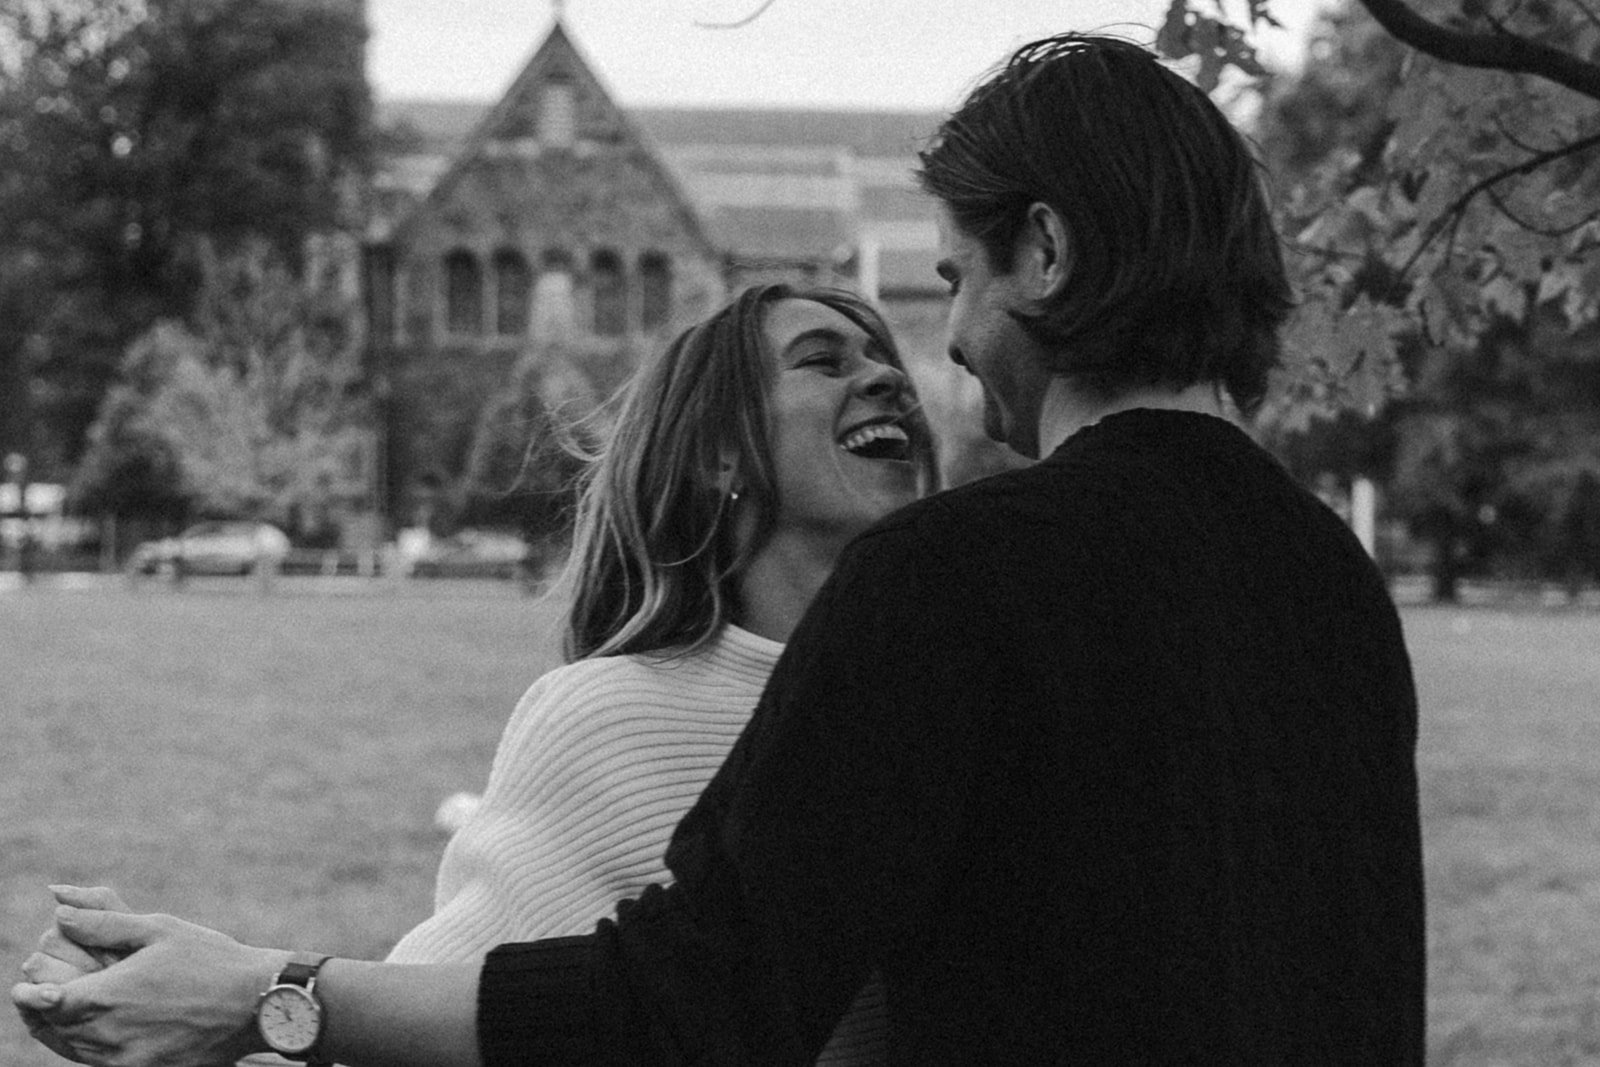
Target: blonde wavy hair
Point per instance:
(654, 558)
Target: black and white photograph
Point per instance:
(744, 532)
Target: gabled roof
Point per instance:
(443, 126)
(759, 184)
(512, 122)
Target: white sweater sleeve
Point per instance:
(598, 763)
(541, 855)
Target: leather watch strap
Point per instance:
(301, 970)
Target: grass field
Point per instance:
(270, 765)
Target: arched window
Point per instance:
(610, 296)
(655, 290)
(513, 291)
(463, 294)
(552, 296)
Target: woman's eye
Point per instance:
(825, 358)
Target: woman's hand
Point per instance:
(183, 996)
(59, 959)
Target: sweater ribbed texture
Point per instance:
(598, 763)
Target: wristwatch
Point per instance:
(289, 1014)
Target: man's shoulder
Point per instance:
(980, 530)
(983, 500)
(1045, 502)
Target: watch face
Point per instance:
(290, 1018)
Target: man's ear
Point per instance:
(1044, 252)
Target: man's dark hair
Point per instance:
(1177, 274)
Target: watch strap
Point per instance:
(301, 970)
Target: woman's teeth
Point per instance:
(862, 441)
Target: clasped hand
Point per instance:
(113, 989)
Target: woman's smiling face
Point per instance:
(840, 455)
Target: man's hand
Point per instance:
(184, 996)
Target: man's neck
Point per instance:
(1068, 408)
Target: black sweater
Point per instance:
(1105, 761)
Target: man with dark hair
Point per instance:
(1175, 273)
(1105, 761)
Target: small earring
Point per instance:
(733, 496)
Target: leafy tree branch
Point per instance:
(1503, 51)
(1543, 231)
(1450, 217)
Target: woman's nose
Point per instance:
(880, 381)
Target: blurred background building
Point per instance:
(541, 242)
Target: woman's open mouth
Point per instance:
(879, 440)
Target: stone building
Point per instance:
(538, 245)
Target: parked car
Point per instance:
(213, 548)
(469, 554)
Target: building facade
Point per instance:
(537, 246)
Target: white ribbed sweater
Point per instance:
(599, 762)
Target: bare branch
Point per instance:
(1508, 52)
(1499, 24)
(1450, 242)
(1323, 252)
(1543, 231)
(737, 23)
(1502, 23)
(1505, 131)
(1451, 216)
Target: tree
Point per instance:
(1470, 192)
(534, 435)
(134, 133)
(1493, 408)
(253, 407)
(1467, 194)
(1491, 448)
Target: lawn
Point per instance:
(271, 764)
(1510, 768)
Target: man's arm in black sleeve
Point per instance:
(824, 841)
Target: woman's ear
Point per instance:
(1044, 252)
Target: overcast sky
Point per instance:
(804, 53)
